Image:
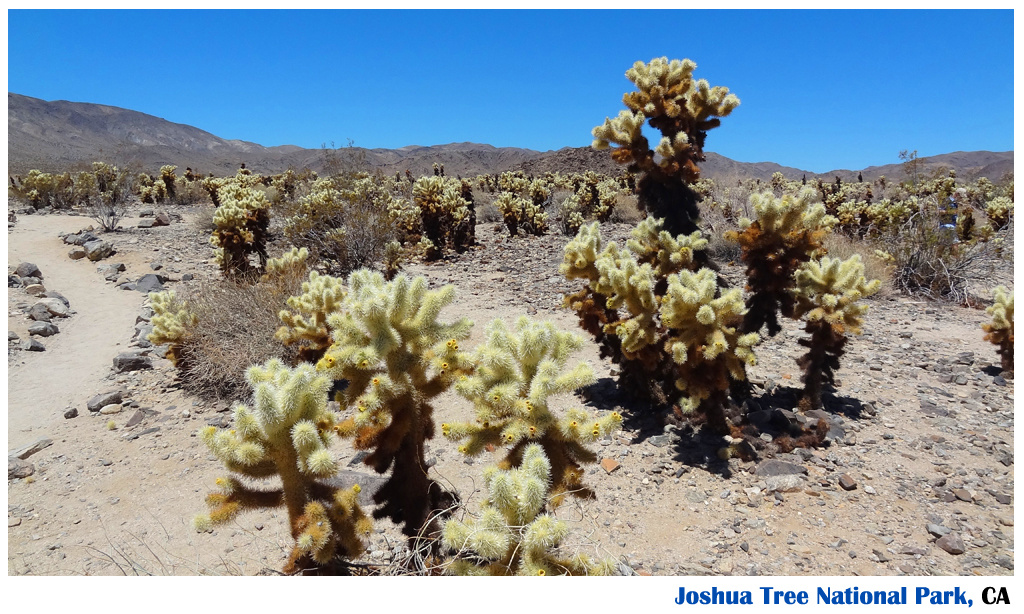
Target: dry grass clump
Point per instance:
(626, 210)
(235, 326)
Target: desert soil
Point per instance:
(922, 434)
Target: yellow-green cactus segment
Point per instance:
(703, 337)
(321, 296)
(172, 322)
(1000, 330)
(292, 262)
(789, 214)
(667, 254)
(239, 222)
(629, 285)
(289, 420)
(511, 535)
(516, 373)
(829, 290)
(582, 253)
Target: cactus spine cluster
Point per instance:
(397, 357)
(1000, 330)
(828, 293)
(512, 536)
(286, 433)
(514, 374)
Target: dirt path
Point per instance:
(42, 384)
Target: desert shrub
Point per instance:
(842, 247)
(928, 259)
(221, 328)
(998, 211)
(115, 192)
(347, 221)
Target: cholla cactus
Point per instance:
(512, 537)
(397, 357)
(998, 211)
(1000, 330)
(292, 263)
(788, 232)
(442, 209)
(515, 373)
(620, 305)
(827, 295)
(168, 178)
(172, 324)
(683, 110)
(521, 213)
(241, 221)
(321, 296)
(705, 343)
(286, 434)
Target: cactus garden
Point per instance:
(646, 371)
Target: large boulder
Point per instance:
(39, 313)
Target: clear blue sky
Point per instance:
(820, 90)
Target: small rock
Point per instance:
(162, 219)
(880, 554)
(55, 306)
(98, 250)
(156, 266)
(937, 529)
(609, 464)
(13, 336)
(188, 277)
(777, 468)
(43, 329)
(113, 408)
(146, 223)
(71, 412)
(35, 290)
(847, 482)
(123, 363)
(26, 451)
(150, 283)
(105, 398)
(951, 543)
(18, 468)
(39, 313)
(963, 494)
(32, 345)
(77, 253)
(27, 269)
(783, 483)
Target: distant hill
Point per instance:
(61, 135)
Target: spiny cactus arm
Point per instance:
(581, 253)
(292, 262)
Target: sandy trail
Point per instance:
(42, 384)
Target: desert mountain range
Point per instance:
(62, 135)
